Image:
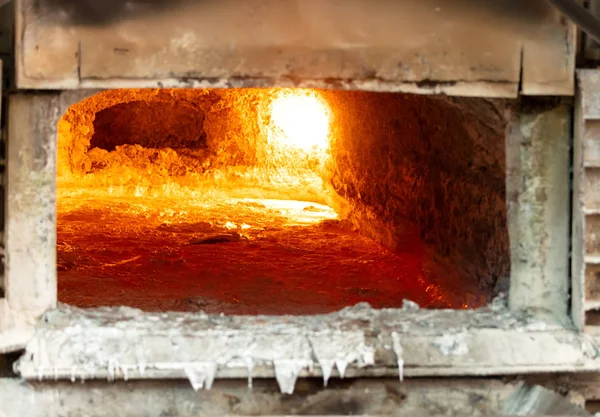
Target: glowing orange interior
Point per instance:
(242, 201)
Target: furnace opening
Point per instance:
(280, 201)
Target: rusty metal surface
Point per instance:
(586, 203)
(466, 47)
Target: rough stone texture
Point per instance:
(167, 124)
(405, 168)
(530, 400)
(538, 149)
(414, 163)
(30, 238)
(236, 152)
(150, 118)
(175, 398)
(411, 46)
(123, 343)
(586, 384)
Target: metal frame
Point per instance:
(586, 203)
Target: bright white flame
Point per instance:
(301, 120)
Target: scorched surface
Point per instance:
(236, 256)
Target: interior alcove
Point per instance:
(182, 200)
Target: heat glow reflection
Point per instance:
(239, 225)
(301, 120)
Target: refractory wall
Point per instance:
(416, 173)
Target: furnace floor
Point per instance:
(236, 257)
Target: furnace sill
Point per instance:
(123, 343)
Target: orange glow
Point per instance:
(262, 144)
(301, 120)
(216, 200)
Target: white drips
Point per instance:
(397, 348)
(286, 373)
(111, 370)
(326, 368)
(83, 341)
(368, 356)
(341, 364)
(401, 369)
(250, 367)
(43, 359)
(140, 358)
(201, 374)
(340, 349)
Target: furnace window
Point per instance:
(280, 201)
